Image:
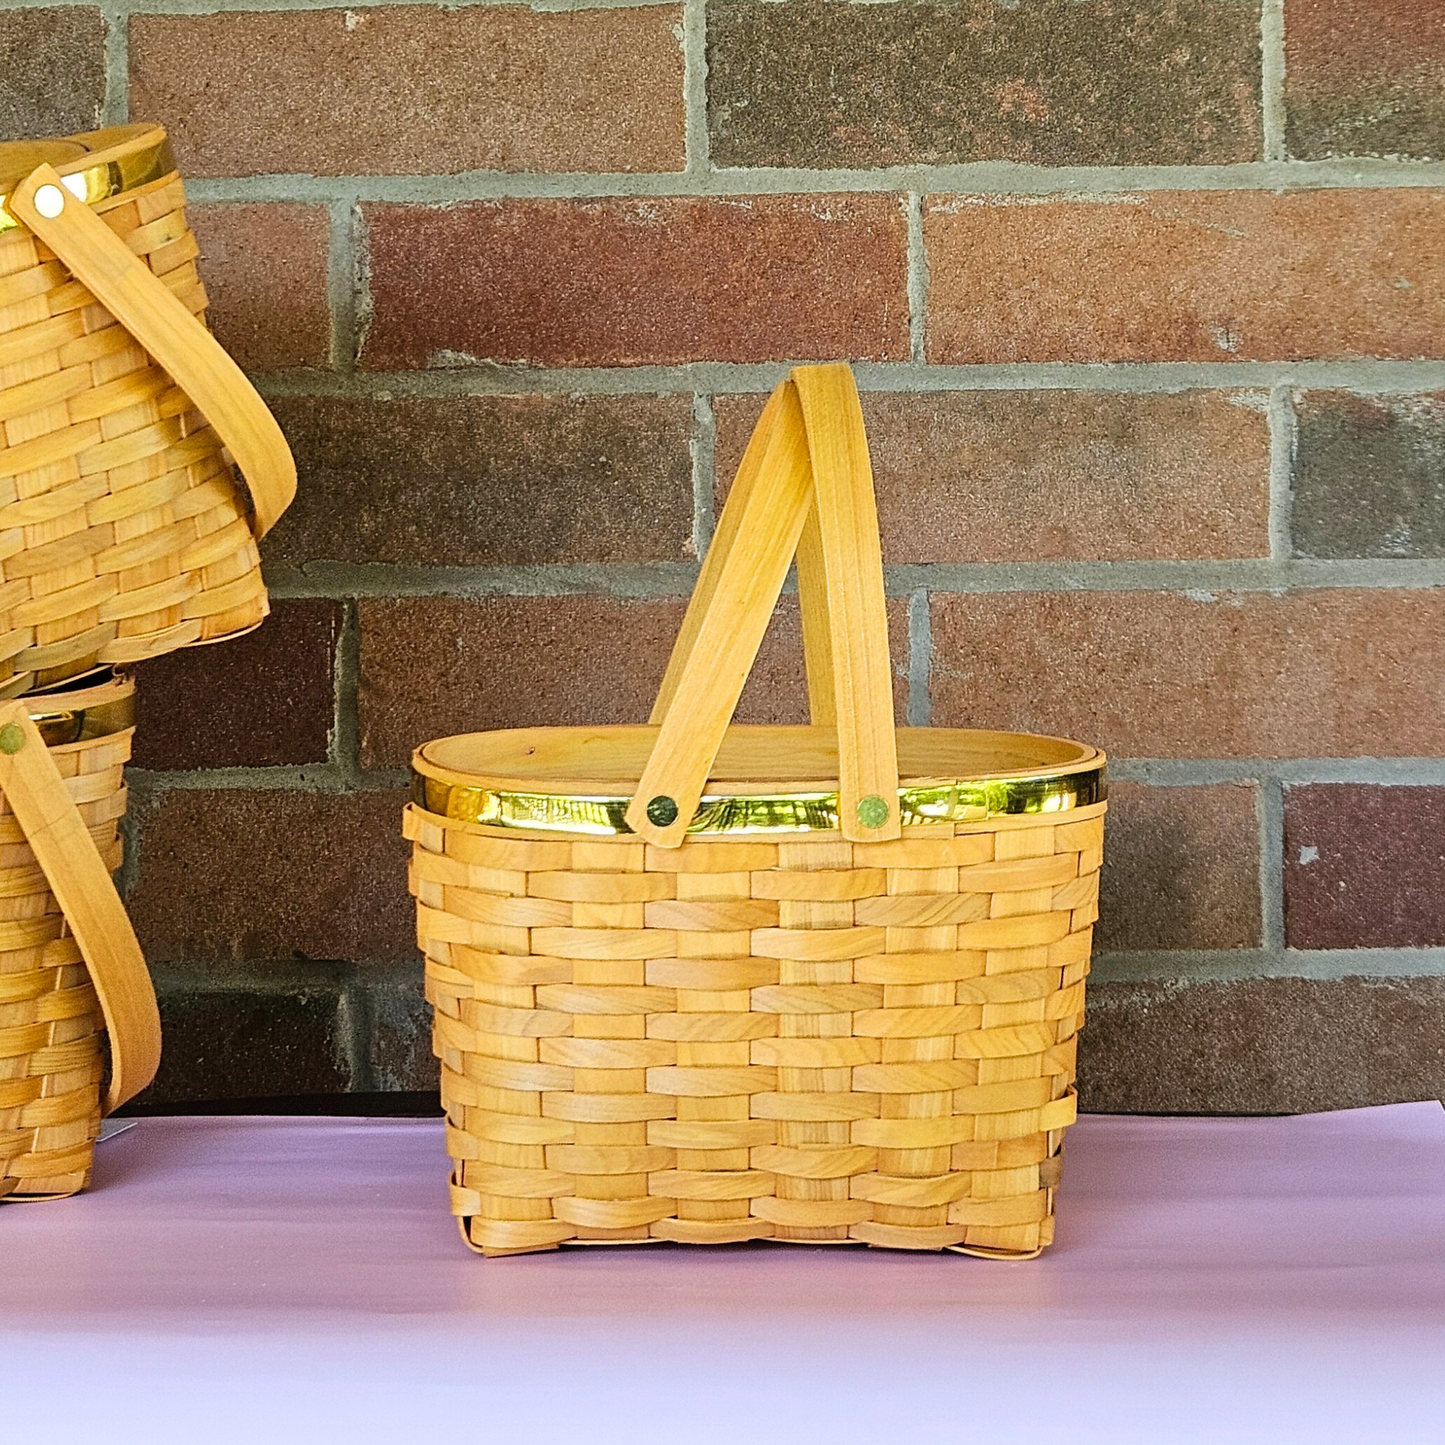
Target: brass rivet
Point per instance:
(662, 811)
(49, 201)
(872, 811)
(12, 738)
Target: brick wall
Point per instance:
(1148, 300)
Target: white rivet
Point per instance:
(75, 184)
(50, 201)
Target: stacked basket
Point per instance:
(124, 534)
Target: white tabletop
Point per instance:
(278, 1280)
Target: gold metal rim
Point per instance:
(98, 711)
(971, 800)
(108, 178)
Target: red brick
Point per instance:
(1187, 276)
(53, 61)
(413, 89)
(1364, 867)
(236, 874)
(431, 667)
(488, 480)
(1317, 673)
(1001, 476)
(252, 1040)
(1362, 77)
(265, 271)
(629, 281)
(1181, 868)
(1368, 475)
(1261, 1045)
(261, 700)
(1052, 82)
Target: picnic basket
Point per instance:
(123, 531)
(72, 979)
(704, 983)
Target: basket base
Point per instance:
(35, 1191)
(683, 1231)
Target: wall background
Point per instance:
(1150, 305)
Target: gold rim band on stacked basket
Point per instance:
(124, 532)
(705, 983)
(68, 969)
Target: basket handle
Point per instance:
(160, 322)
(83, 887)
(805, 488)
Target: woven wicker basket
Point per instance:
(123, 531)
(70, 971)
(706, 984)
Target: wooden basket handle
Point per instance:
(804, 489)
(160, 322)
(83, 887)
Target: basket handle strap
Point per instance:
(817, 638)
(805, 488)
(77, 875)
(160, 322)
(850, 557)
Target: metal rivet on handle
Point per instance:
(872, 811)
(50, 202)
(661, 811)
(12, 738)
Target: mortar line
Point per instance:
(917, 280)
(341, 281)
(1143, 378)
(222, 7)
(984, 182)
(920, 660)
(1200, 582)
(1151, 772)
(321, 778)
(696, 140)
(1270, 805)
(115, 110)
(259, 975)
(130, 836)
(1196, 772)
(1183, 968)
(704, 472)
(355, 1024)
(359, 280)
(1280, 413)
(1271, 78)
(345, 750)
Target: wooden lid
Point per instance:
(19, 157)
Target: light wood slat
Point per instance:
(731, 628)
(857, 612)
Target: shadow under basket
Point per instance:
(52, 1029)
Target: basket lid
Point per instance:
(95, 165)
(765, 779)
